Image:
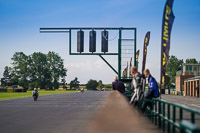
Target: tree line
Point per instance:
(37, 70)
(91, 84)
(46, 71)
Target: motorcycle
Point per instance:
(82, 90)
(35, 95)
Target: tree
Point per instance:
(100, 84)
(92, 84)
(191, 61)
(174, 65)
(46, 70)
(56, 66)
(39, 71)
(63, 82)
(20, 69)
(6, 80)
(36, 70)
(74, 83)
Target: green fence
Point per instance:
(172, 117)
(188, 127)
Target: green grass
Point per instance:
(5, 95)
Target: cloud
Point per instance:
(90, 69)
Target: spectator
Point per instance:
(137, 86)
(153, 90)
(197, 90)
(118, 85)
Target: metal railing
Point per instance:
(188, 127)
(172, 117)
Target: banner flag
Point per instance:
(168, 19)
(146, 43)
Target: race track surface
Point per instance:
(59, 113)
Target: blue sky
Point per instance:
(20, 21)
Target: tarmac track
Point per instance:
(191, 102)
(59, 113)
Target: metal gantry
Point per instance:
(118, 53)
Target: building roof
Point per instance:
(193, 78)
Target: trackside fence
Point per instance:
(172, 117)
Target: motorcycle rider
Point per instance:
(82, 90)
(35, 94)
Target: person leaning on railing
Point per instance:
(153, 91)
(118, 85)
(137, 86)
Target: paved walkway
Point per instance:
(192, 102)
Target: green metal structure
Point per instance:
(118, 53)
(164, 114)
(188, 127)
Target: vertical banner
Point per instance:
(168, 19)
(137, 56)
(146, 43)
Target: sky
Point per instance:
(20, 21)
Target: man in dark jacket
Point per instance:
(118, 85)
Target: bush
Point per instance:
(92, 84)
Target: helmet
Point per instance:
(35, 89)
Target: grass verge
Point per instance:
(6, 95)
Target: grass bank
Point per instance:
(5, 95)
